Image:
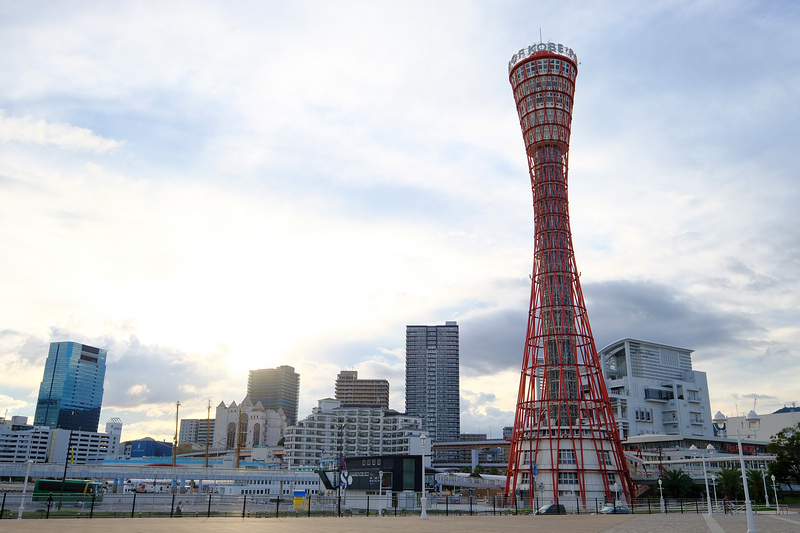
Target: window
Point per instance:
(567, 478)
(607, 457)
(566, 457)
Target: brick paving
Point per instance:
(647, 523)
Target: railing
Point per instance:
(147, 505)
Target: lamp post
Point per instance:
(775, 491)
(661, 491)
(380, 492)
(25, 489)
(423, 500)
(616, 494)
(764, 479)
(710, 449)
(752, 420)
(714, 484)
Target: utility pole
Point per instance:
(175, 440)
(208, 428)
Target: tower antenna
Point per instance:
(540, 35)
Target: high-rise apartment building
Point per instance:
(199, 431)
(276, 388)
(352, 391)
(71, 392)
(333, 431)
(432, 379)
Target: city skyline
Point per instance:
(203, 190)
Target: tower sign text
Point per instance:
(557, 48)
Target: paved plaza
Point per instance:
(643, 523)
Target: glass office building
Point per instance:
(71, 392)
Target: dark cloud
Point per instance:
(660, 313)
(618, 309)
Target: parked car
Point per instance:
(611, 509)
(553, 508)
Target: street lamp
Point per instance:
(25, 488)
(661, 490)
(710, 450)
(423, 500)
(774, 490)
(380, 492)
(764, 479)
(714, 484)
(752, 420)
(616, 494)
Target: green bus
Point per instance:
(69, 490)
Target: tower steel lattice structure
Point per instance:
(565, 446)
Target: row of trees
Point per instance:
(728, 481)
(785, 445)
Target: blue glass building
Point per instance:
(71, 392)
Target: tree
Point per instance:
(678, 484)
(786, 446)
(729, 481)
(755, 484)
(493, 471)
(477, 471)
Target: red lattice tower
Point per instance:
(564, 427)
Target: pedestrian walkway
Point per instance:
(643, 523)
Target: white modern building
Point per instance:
(653, 390)
(767, 426)
(332, 430)
(198, 431)
(42, 444)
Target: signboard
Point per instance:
(299, 499)
(556, 48)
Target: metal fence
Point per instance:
(146, 505)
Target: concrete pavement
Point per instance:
(643, 523)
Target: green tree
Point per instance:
(729, 482)
(493, 471)
(477, 471)
(677, 484)
(785, 444)
(755, 484)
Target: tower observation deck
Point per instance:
(565, 446)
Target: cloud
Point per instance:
(28, 130)
(216, 189)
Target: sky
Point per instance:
(204, 188)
